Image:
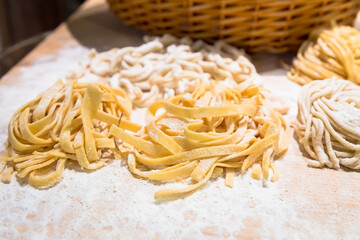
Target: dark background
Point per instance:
(21, 19)
(24, 23)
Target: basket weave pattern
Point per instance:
(257, 25)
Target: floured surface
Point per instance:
(110, 203)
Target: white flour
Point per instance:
(110, 203)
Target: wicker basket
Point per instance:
(257, 25)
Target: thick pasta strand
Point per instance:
(201, 134)
(328, 53)
(67, 122)
(166, 66)
(328, 123)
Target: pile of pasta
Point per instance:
(328, 123)
(68, 122)
(166, 66)
(215, 129)
(328, 53)
(205, 116)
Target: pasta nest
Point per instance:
(165, 66)
(328, 123)
(193, 137)
(67, 122)
(328, 53)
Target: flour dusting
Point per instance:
(111, 203)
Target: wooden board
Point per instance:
(305, 203)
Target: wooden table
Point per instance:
(305, 203)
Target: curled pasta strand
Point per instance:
(328, 123)
(149, 71)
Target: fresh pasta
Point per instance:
(68, 122)
(166, 66)
(205, 117)
(197, 136)
(328, 123)
(328, 53)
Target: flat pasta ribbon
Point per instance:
(328, 53)
(194, 137)
(68, 122)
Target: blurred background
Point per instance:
(24, 23)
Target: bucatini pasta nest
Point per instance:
(198, 136)
(328, 123)
(68, 122)
(328, 53)
(166, 66)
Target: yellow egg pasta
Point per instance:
(205, 117)
(68, 122)
(198, 136)
(328, 53)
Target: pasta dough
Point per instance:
(328, 53)
(67, 122)
(166, 66)
(328, 123)
(196, 136)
